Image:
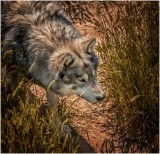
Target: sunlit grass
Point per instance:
(130, 66)
(27, 123)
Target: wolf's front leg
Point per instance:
(53, 100)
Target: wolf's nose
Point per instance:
(100, 98)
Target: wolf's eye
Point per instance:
(82, 80)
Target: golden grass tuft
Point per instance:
(129, 51)
(27, 124)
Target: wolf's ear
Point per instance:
(89, 45)
(67, 60)
(64, 63)
(60, 61)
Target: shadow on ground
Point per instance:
(84, 145)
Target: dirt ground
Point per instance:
(86, 119)
(89, 119)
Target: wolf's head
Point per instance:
(76, 65)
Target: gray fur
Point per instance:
(45, 42)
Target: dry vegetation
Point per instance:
(129, 50)
(130, 54)
(27, 121)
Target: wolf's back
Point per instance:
(34, 27)
(16, 13)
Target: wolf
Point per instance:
(47, 45)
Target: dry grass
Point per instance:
(27, 124)
(129, 51)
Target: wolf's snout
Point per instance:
(100, 98)
(98, 93)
